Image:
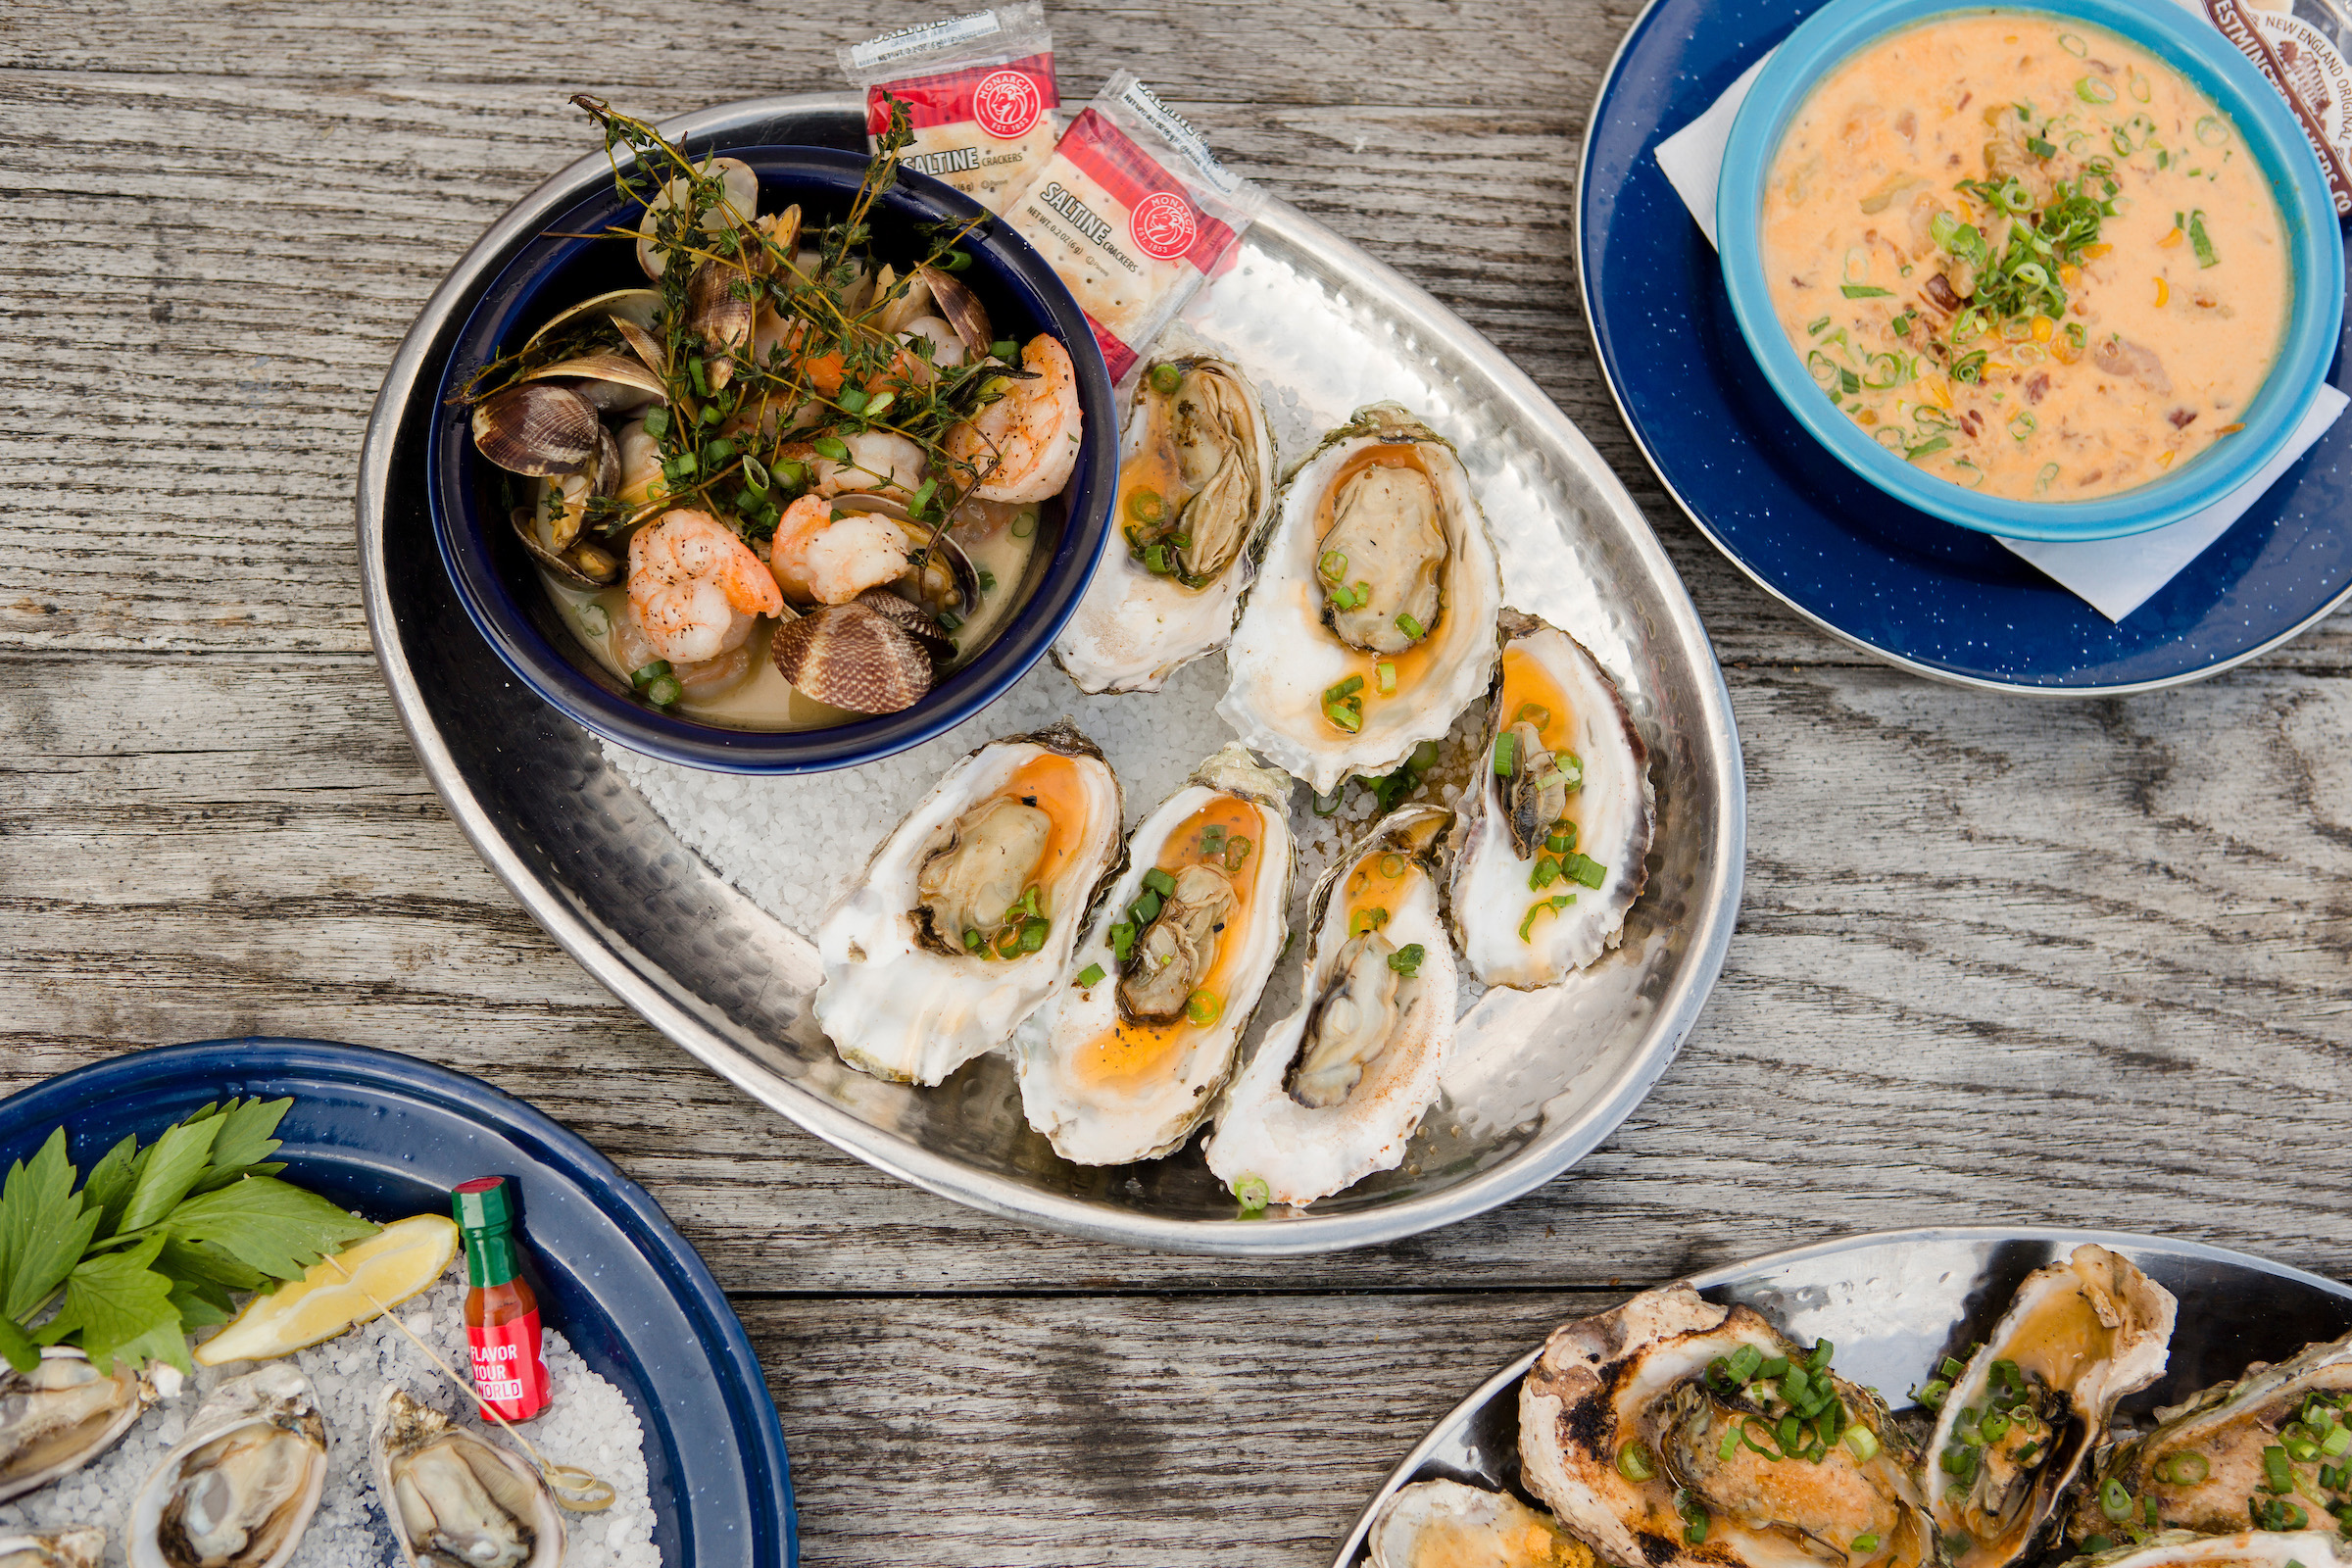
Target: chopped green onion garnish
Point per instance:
(1863, 291)
(2278, 1474)
(1166, 377)
(2200, 240)
(1213, 838)
(1864, 1446)
(1506, 754)
(1090, 975)
(664, 690)
(1024, 525)
(1410, 627)
(1386, 675)
(851, 401)
(1160, 882)
(1251, 1192)
(1325, 805)
(1555, 903)
(1006, 349)
(831, 447)
(1202, 1009)
(1333, 568)
(1122, 941)
(2115, 1502)
(1634, 1461)
(1866, 1543)
(2091, 91)
(1819, 325)
(1406, 961)
(1145, 910)
(1145, 504)
(1237, 849)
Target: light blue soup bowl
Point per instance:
(2315, 244)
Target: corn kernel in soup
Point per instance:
(2027, 255)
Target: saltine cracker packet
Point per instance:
(1133, 211)
(979, 94)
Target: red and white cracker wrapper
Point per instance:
(2301, 46)
(1133, 211)
(979, 93)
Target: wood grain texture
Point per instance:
(2087, 962)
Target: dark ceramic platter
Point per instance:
(1920, 593)
(385, 1134)
(1896, 1302)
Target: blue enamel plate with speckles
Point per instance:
(387, 1134)
(1924, 594)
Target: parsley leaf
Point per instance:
(245, 1129)
(170, 1171)
(108, 1188)
(43, 1230)
(268, 1224)
(120, 1309)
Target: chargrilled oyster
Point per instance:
(1135, 1048)
(2259, 1451)
(1196, 492)
(454, 1499)
(61, 1415)
(1444, 1524)
(239, 1490)
(2245, 1548)
(2031, 1403)
(1335, 1091)
(1372, 622)
(966, 915)
(1677, 1434)
(1556, 836)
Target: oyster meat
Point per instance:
(965, 917)
(455, 1501)
(1675, 1433)
(2027, 1409)
(2248, 1452)
(1195, 493)
(239, 1490)
(59, 1416)
(2246, 1548)
(1335, 1091)
(1556, 838)
(81, 1548)
(1134, 1050)
(1372, 623)
(1444, 1524)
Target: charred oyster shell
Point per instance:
(1444, 1524)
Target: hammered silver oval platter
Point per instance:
(1897, 1302)
(1540, 1078)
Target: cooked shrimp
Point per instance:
(820, 559)
(633, 649)
(696, 586)
(1024, 445)
(880, 463)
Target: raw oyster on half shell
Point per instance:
(1677, 1434)
(1444, 1524)
(1162, 985)
(1336, 1089)
(1372, 622)
(81, 1548)
(238, 1491)
(458, 1500)
(61, 1415)
(1556, 836)
(1196, 489)
(964, 919)
(2033, 1401)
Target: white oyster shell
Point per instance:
(1615, 811)
(1135, 627)
(1605, 1381)
(1283, 658)
(1303, 1151)
(1444, 1524)
(277, 1397)
(61, 1415)
(1099, 1117)
(903, 1010)
(2244, 1549)
(2082, 1334)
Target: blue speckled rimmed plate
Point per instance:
(386, 1134)
(1920, 593)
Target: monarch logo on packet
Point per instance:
(1162, 226)
(1006, 102)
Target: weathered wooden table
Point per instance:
(2000, 961)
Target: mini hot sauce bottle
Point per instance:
(502, 1315)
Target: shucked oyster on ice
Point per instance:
(965, 918)
(1372, 622)
(239, 1490)
(1674, 1433)
(1196, 492)
(2257, 1451)
(61, 1415)
(455, 1499)
(1444, 1524)
(1336, 1089)
(1173, 960)
(1555, 837)
(81, 1548)
(2035, 1398)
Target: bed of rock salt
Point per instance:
(590, 1423)
(792, 845)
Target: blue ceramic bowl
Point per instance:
(387, 1134)
(502, 593)
(1834, 34)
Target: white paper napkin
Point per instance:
(2114, 576)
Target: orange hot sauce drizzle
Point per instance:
(1414, 661)
(1133, 1053)
(1053, 783)
(1154, 468)
(1525, 680)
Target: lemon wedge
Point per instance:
(390, 1266)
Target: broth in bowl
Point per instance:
(2026, 255)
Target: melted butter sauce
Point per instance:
(1873, 159)
(1376, 886)
(1525, 680)
(1055, 786)
(1133, 1052)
